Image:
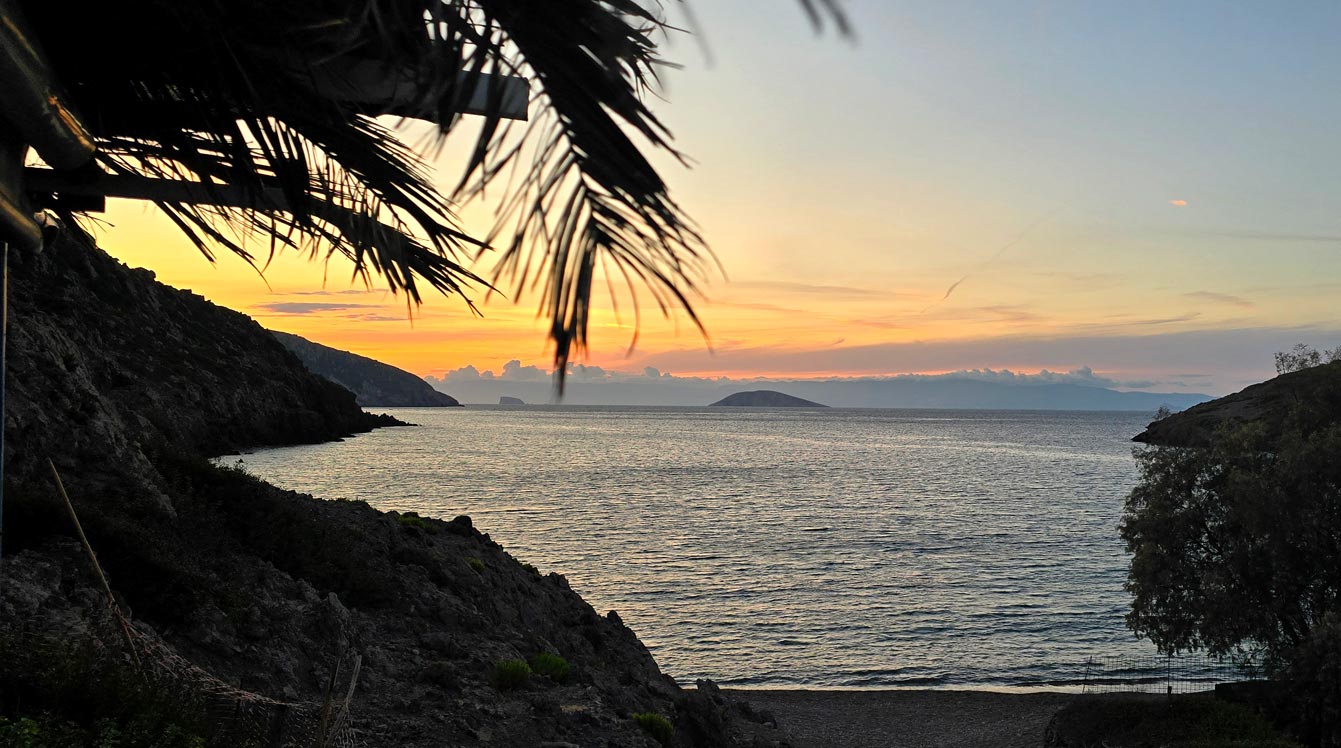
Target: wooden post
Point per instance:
(4, 364)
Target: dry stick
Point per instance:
(327, 704)
(88, 549)
(333, 720)
(343, 716)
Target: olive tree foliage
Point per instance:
(1304, 357)
(1237, 547)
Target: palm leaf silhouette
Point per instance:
(265, 108)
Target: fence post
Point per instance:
(276, 737)
(4, 363)
(1168, 676)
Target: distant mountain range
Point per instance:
(373, 383)
(940, 392)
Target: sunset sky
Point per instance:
(1148, 189)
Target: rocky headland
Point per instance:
(374, 384)
(259, 602)
(1266, 404)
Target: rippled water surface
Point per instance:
(778, 547)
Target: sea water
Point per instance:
(787, 547)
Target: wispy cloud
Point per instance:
(1178, 203)
(376, 317)
(952, 288)
(1146, 322)
(759, 307)
(1247, 234)
(1219, 298)
(1010, 313)
(817, 289)
(997, 255)
(1083, 281)
(346, 292)
(309, 307)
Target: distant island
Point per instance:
(507, 400)
(766, 399)
(373, 383)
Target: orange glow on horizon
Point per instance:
(750, 322)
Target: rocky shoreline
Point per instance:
(128, 385)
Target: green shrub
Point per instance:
(551, 666)
(531, 568)
(61, 696)
(412, 519)
(49, 731)
(1192, 721)
(510, 674)
(655, 725)
(475, 564)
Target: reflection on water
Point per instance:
(775, 547)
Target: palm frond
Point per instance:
(253, 97)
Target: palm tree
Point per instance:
(252, 118)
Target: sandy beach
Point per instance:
(909, 718)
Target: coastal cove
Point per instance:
(841, 548)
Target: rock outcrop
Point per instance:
(1267, 403)
(509, 400)
(373, 383)
(105, 364)
(766, 399)
(128, 385)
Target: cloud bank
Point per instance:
(514, 371)
(1076, 389)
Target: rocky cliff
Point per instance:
(246, 598)
(373, 383)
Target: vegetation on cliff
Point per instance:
(127, 386)
(1267, 404)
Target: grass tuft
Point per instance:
(655, 725)
(551, 666)
(511, 674)
(412, 519)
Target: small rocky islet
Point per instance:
(765, 399)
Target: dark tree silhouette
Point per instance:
(1236, 548)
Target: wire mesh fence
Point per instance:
(113, 655)
(1166, 674)
(236, 715)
